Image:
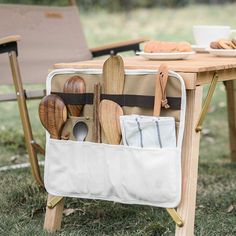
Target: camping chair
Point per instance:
(50, 35)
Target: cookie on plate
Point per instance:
(215, 45)
(225, 44)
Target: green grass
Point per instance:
(22, 204)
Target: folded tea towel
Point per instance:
(148, 131)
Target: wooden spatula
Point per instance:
(109, 112)
(113, 75)
(53, 115)
(109, 117)
(160, 94)
(75, 84)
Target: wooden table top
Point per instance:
(198, 69)
(200, 62)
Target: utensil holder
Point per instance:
(117, 173)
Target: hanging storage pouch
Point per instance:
(126, 174)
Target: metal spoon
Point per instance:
(80, 131)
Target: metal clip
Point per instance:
(54, 202)
(175, 216)
(164, 103)
(207, 102)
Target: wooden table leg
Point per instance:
(190, 155)
(231, 105)
(53, 216)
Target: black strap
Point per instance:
(122, 99)
(8, 47)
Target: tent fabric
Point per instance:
(49, 35)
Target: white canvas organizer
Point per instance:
(115, 172)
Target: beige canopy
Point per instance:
(49, 35)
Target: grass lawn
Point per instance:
(23, 203)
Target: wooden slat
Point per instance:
(53, 217)
(189, 78)
(224, 75)
(204, 65)
(190, 153)
(34, 94)
(231, 105)
(197, 63)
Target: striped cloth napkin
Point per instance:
(148, 131)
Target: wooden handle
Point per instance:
(96, 124)
(161, 82)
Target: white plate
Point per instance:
(199, 48)
(166, 55)
(222, 52)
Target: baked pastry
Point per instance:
(163, 46)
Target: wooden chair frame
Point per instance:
(9, 45)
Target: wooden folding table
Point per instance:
(197, 71)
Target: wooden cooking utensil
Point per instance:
(80, 131)
(109, 117)
(109, 112)
(160, 94)
(75, 84)
(53, 114)
(96, 124)
(113, 75)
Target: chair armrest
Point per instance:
(9, 43)
(114, 48)
(10, 39)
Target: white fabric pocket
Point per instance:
(113, 172)
(148, 131)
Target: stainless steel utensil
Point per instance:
(80, 130)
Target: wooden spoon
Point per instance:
(75, 84)
(109, 117)
(113, 75)
(161, 82)
(53, 114)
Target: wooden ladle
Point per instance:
(109, 117)
(53, 115)
(75, 84)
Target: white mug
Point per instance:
(205, 34)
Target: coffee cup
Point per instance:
(205, 34)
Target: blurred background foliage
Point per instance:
(118, 5)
